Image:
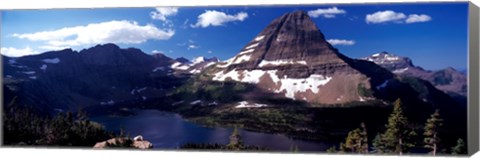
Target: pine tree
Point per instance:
(378, 144)
(459, 148)
(332, 149)
(235, 141)
(357, 140)
(364, 139)
(353, 141)
(432, 128)
(397, 135)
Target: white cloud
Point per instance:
(162, 13)
(341, 42)
(384, 16)
(14, 52)
(326, 13)
(413, 18)
(126, 32)
(209, 52)
(192, 46)
(397, 17)
(216, 18)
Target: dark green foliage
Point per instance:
(378, 144)
(235, 141)
(431, 133)
(22, 126)
(332, 149)
(459, 149)
(235, 144)
(356, 141)
(209, 90)
(363, 91)
(398, 135)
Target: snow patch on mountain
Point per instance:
(252, 46)
(110, 102)
(383, 85)
(259, 38)
(198, 60)
(51, 60)
(242, 58)
(196, 102)
(290, 86)
(158, 69)
(280, 62)
(246, 51)
(245, 104)
(179, 66)
(295, 85)
(12, 61)
(400, 70)
(29, 72)
(43, 67)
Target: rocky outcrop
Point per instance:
(137, 143)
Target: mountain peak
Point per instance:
(291, 57)
(291, 38)
(390, 61)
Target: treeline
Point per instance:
(23, 126)
(235, 144)
(399, 137)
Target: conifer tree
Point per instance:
(364, 138)
(459, 148)
(332, 149)
(397, 135)
(356, 140)
(235, 141)
(378, 144)
(353, 141)
(431, 133)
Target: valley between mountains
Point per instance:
(287, 80)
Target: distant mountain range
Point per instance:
(102, 75)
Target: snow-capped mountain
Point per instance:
(100, 75)
(194, 66)
(448, 80)
(392, 62)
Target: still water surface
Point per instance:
(169, 131)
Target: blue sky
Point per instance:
(434, 36)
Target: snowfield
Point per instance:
(291, 86)
(280, 62)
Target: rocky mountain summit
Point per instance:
(448, 80)
(291, 57)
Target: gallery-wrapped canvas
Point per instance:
(380, 79)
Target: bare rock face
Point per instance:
(291, 57)
(137, 143)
